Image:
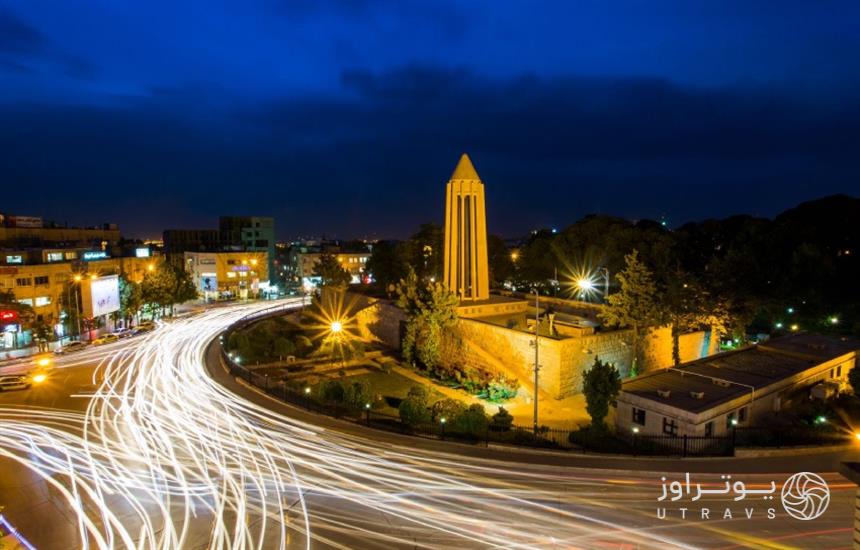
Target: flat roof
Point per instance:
(754, 367)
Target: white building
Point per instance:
(737, 388)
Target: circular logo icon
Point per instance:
(805, 496)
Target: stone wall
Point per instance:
(563, 360)
(379, 321)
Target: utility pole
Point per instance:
(537, 357)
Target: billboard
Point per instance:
(208, 282)
(100, 296)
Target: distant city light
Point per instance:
(794, 327)
(834, 320)
(790, 310)
(778, 325)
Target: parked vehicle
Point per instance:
(123, 333)
(143, 328)
(14, 382)
(71, 347)
(106, 339)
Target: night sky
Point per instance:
(346, 118)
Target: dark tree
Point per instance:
(600, 384)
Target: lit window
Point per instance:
(26, 301)
(14, 259)
(55, 256)
(42, 301)
(231, 274)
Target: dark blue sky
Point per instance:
(347, 117)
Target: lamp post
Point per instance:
(537, 357)
(336, 329)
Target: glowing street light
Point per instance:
(336, 327)
(585, 284)
(794, 327)
(515, 256)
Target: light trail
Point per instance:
(164, 457)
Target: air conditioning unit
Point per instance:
(664, 393)
(697, 394)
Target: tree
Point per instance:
(333, 390)
(130, 298)
(600, 384)
(446, 408)
(283, 347)
(357, 394)
(166, 286)
(500, 262)
(689, 306)
(430, 309)
(413, 410)
(635, 305)
(502, 420)
(333, 274)
(472, 421)
(388, 264)
(426, 251)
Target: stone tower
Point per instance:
(466, 265)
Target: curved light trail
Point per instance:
(164, 457)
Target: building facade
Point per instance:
(710, 396)
(221, 275)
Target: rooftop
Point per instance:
(705, 383)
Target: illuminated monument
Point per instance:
(467, 269)
(466, 265)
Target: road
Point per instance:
(138, 445)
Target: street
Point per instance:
(136, 445)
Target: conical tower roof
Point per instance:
(465, 170)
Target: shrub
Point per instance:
(502, 420)
(332, 390)
(502, 388)
(283, 347)
(357, 394)
(448, 409)
(472, 421)
(600, 384)
(413, 410)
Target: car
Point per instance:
(14, 382)
(123, 333)
(143, 328)
(71, 347)
(106, 339)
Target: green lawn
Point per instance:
(392, 385)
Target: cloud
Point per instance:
(376, 155)
(17, 36)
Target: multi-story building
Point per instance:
(234, 234)
(253, 234)
(227, 274)
(50, 288)
(303, 261)
(32, 232)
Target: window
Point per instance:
(231, 262)
(42, 301)
(730, 420)
(709, 429)
(41, 280)
(231, 274)
(839, 371)
(831, 374)
(15, 259)
(55, 256)
(669, 426)
(638, 416)
(26, 301)
(742, 414)
(71, 255)
(23, 281)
